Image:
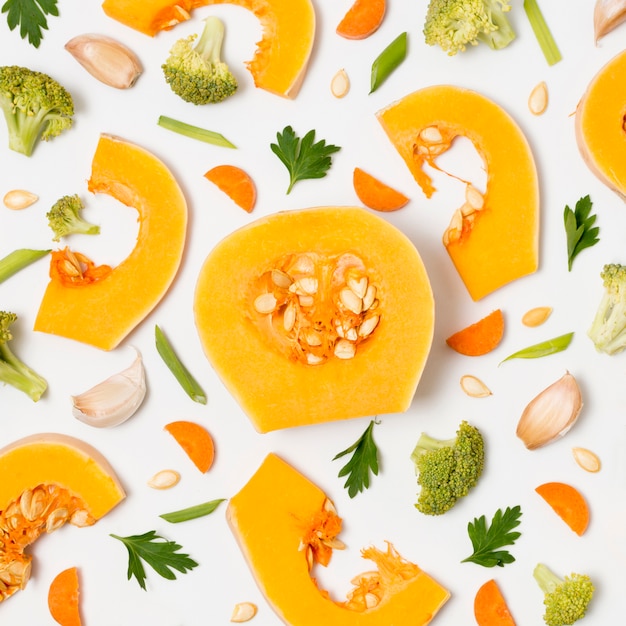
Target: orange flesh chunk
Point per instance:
(479, 338)
(375, 194)
(568, 503)
(362, 19)
(149, 18)
(236, 183)
(196, 441)
(63, 596)
(490, 608)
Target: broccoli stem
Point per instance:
(211, 39)
(548, 581)
(17, 374)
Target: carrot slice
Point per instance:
(490, 608)
(362, 19)
(568, 503)
(374, 194)
(481, 337)
(236, 183)
(195, 440)
(63, 598)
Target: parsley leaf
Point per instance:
(303, 158)
(31, 16)
(485, 541)
(579, 228)
(161, 555)
(364, 460)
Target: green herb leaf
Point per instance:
(195, 132)
(17, 260)
(303, 158)
(192, 512)
(159, 553)
(487, 540)
(544, 37)
(181, 373)
(30, 15)
(387, 61)
(544, 348)
(364, 460)
(579, 228)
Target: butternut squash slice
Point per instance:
(48, 479)
(101, 309)
(493, 238)
(285, 526)
(600, 125)
(316, 315)
(282, 55)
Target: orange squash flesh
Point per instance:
(275, 513)
(499, 243)
(63, 598)
(267, 372)
(103, 312)
(568, 503)
(599, 125)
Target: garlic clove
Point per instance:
(114, 400)
(550, 414)
(106, 59)
(607, 15)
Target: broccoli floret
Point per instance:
(608, 329)
(64, 218)
(196, 73)
(13, 371)
(447, 469)
(566, 599)
(35, 106)
(452, 24)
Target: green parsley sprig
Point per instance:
(579, 228)
(363, 461)
(30, 15)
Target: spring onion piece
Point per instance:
(195, 132)
(546, 41)
(192, 512)
(17, 260)
(387, 61)
(181, 373)
(544, 348)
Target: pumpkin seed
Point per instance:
(538, 99)
(18, 199)
(340, 84)
(474, 387)
(537, 316)
(586, 459)
(243, 612)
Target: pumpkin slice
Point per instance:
(362, 19)
(490, 607)
(63, 598)
(285, 525)
(236, 183)
(103, 311)
(282, 55)
(195, 440)
(479, 338)
(600, 125)
(568, 503)
(48, 479)
(493, 239)
(375, 194)
(333, 314)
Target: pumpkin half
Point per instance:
(282, 54)
(48, 479)
(285, 526)
(102, 308)
(600, 125)
(316, 315)
(493, 238)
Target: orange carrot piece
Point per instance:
(63, 598)
(490, 608)
(374, 194)
(362, 19)
(236, 183)
(568, 503)
(481, 337)
(195, 440)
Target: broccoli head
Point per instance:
(35, 106)
(452, 24)
(64, 218)
(196, 73)
(566, 599)
(447, 469)
(12, 370)
(608, 329)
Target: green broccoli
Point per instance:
(566, 599)
(452, 24)
(447, 469)
(35, 106)
(196, 73)
(13, 371)
(64, 218)
(608, 329)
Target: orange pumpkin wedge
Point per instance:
(568, 503)
(63, 598)
(490, 608)
(196, 441)
(362, 19)
(495, 238)
(103, 312)
(479, 338)
(375, 194)
(235, 183)
(285, 526)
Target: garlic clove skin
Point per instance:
(607, 15)
(114, 400)
(550, 414)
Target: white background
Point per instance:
(140, 447)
